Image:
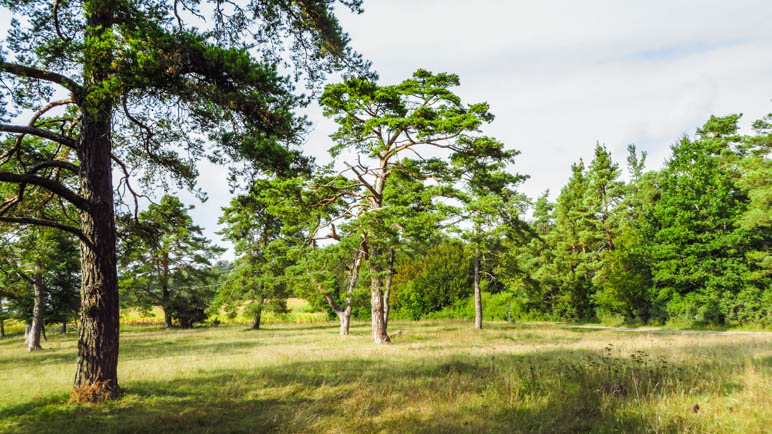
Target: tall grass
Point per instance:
(437, 376)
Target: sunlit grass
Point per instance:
(438, 376)
(299, 313)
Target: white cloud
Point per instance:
(561, 75)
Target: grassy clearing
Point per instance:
(438, 376)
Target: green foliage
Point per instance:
(52, 254)
(165, 261)
(257, 280)
(698, 248)
(689, 243)
(439, 277)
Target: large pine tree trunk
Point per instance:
(38, 312)
(478, 313)
(99, 327)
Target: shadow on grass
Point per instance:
(550, 391)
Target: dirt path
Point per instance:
(652, 330)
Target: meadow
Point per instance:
(437, 376)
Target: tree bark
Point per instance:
(345, 316)
(380, 335)
(478, 313)
(257, 318)
(165, 293)
(38, 312)
(99, 330)
(64, 327)
(387, 289)
(2, 319)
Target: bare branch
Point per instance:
(50, 185)
(47, 223)
(49, 135)
(363, 181)
(56, 22)
(54, 163)
(26, 71)
(126, 175)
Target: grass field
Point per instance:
(437, 376)
(299, 313)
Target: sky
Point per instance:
(561, 76)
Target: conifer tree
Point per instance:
(149, 87)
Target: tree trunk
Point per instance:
(257, 318)
(165, 295)
(64, 327)
(99, 318)
(345, 321)
(38, 312)
(167, 317)
(387, 289)
(380, 336)
(2, 318)
(478, 313)
(345, 316)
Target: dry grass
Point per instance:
(438, 376)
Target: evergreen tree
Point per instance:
(40, 275)
(150, 87)
(257, 280)
(167, 262)
(698, 249)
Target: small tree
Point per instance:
(393, 128)
(492, 204)
(41, 274)
(258, 274)
(165, 260)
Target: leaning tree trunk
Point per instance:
(478, 313)
(345, 315)
(38, 312)
(99, 328)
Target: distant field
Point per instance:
(299, 314)
(437, 376)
